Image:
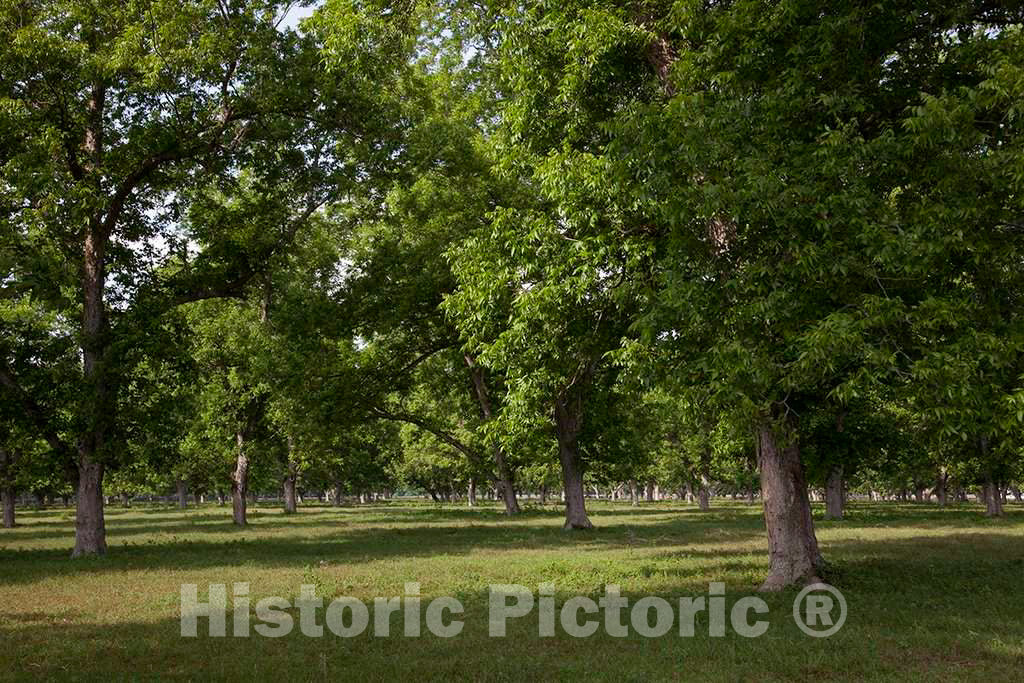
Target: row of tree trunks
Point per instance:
(793, 547)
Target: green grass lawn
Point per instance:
(931, 593)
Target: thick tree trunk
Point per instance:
(703, 496)
(1016, 494)
(182, 494)
(634, 499)
(291, 505)
(471, 493)
(834, 494)
(240, 482)
(795, 558)
(568, 423)
(993, 501)
(649, 493)
(7, 499)
(543, 494)
(338, 495)
(90, 531)
(126, 500)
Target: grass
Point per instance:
(932, 593)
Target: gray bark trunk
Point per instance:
(993, 501)
(182, 494)
(291, 505)
(834, 494)
(795, 558)
(940, 487)
(90, 531)
(649, 493)
(634, 499)
(568, 424)
(471, 493)
(240, 482)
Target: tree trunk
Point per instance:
(291, 505)
(240, 482)
(834, 494)
(182, 494)
(290, 499)
(337, 495)
(1016, 494)
(795, 558)
(126, 500)
(993, 501)
(7, 498)
(940, 487)
(543, 494)
(703, 495)
(471, 493)
(90, 531)
(568, 423)
(649, 493)
(505, 475)
(633, 498)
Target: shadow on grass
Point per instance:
(876, 643)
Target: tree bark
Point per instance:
(834, 493)
(504, 474)
(568, 424)
(290, 498)
(182, 494)
(993, 501)
(1016, 494)
(471, 493)
(649, 493)
(6, 488)
(7, 498)
(90, 531)
(795, 558)
(634, 499)
(704, 490)
(940, 487)
(240, 481)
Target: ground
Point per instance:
(931, 593)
